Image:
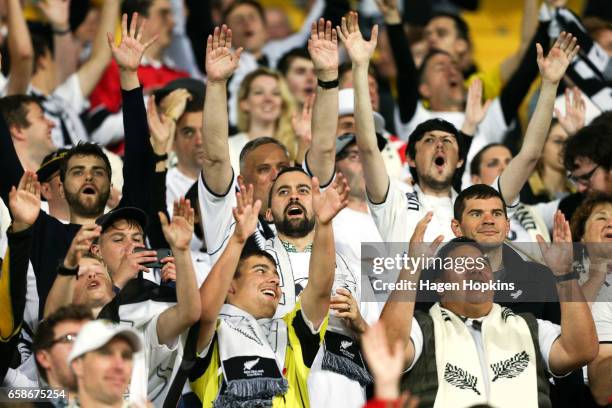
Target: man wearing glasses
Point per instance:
(53, 343)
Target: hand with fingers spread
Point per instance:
(575, 110)
(221, 60)
(418, 248)
(246, 213)
(552, 68)
(179, 232)
(161, 127)
(558, 255)
(301, 123)
(389, 10)
(345, 306)
(57, 13)
(24, 202)
(326, 205)
(475, 110)
(358, 48)
(81, 243)
(323, 50)
(130, 50)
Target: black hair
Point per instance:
(290, 169)
(477, 191)
(141, 7)
(477, 160)
(429, 126)
(463, 30)
(255, 143)
(84, 149)
(46, 329)
(251, 252)
(237, 3)
(287, 59)
(14, 109)
(41, 44)
(591, 142)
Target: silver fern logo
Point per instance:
(250, 364)
(460, 378)
(346, 344)
(511, 367)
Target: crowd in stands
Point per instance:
(196, 196)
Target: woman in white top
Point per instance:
(265, 108)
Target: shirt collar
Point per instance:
(289, 247)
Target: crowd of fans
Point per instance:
(192, 194)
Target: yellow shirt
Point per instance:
(302, 346)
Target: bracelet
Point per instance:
(61, 32)
(568, 276)
(62, 270)
(161, 157)
(328, 84)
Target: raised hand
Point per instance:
(302, 123)
(575, 111)
(24, 201)
(418, 248)
(386, 364)
(221, 61)
(347, 308)
(57, 13)
(326, 205)
(323, 50)
(475, 110)
(173, 105)
(161, 128)
(389, 10)
(359, 49)
(552, 68)
(558, 255)
(80, 244)
(178, 233)
(131, 49)
(246, 213)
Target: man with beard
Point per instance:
(436, 149)
(85, 174)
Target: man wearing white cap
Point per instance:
(102, 359)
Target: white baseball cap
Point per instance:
(346, 106)
(97, 333)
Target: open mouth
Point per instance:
(295, 210)
(89, 190)
(269, 292)
(308, 90)
(94, 284)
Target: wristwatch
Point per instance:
(62, 270)
(568, 276)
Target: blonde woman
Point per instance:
(265, 108)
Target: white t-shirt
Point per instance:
(602, 316)
(492, 129)
(177, 185)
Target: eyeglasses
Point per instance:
(66, 338)
(585, 179)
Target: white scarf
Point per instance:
(252, 354)
(509, 354)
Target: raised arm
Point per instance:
(399, 309)
(57, 13)
(316, 296)
(180, 317)
(221, 62)
(552, 69)
(91, 71)
(360, 51)
(577, 345)
(139, 160)
(323, 50)
(20, 50)
(407, 78)
(214, 289)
